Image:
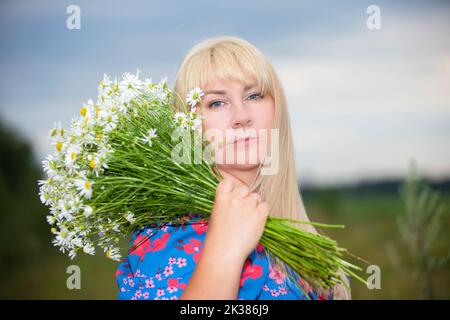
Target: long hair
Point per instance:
(229, 57)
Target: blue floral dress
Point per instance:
(162, 258)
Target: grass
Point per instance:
(370, 225)
(370, 221)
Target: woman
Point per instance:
(221, 258)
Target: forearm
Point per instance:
(216, 276)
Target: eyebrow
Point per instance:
(246, 88)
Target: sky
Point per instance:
(363, 103)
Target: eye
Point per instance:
(214, 104)
(255, 96)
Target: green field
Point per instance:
(32, 268)
(370, 225)
(370, 220)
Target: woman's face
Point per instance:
(241, 118)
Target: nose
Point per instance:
(241, 117)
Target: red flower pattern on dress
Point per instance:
(172, 282)
(119, 272)
(200, 226)
(143, 244)
(250, 270)
(194, 246)
(276, 274)
(259, 248)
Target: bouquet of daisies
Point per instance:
(120, 168)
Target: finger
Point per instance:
(254, 198)
(263, 208)
(241, 191)
(225, 186)
(236, 181)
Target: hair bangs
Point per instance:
(228, 61)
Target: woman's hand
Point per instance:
(237, 221)
(235, 226)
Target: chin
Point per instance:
(238, 167)
(244, 158)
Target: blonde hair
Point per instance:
(229, 57)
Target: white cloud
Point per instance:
(364, 104)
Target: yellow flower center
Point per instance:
(59, 145)
(73, 155)
(83, 111)
(87, 185)
(92, 163)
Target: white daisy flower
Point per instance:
(62, 238)
(163, 83)
(74, 202)
(130, 82)
(196, 124)
(107, 117)
(44, 194)
(87, 211)
(148, 85)
(116, 227)
(88, 109)
(130, 217)
(76, 242)
(113, 254)
(49, 165)
(102, 155)
(89, 249)
(122, 107)
(84, 187)
(76, 126)
(51, 220)
(72, 254)
(72, 153)
(181, 120)
(97, 162)
(110, 122)
(64, 211)
(58, 145)
(151, 133)
(194, 96)
(105, 83)
(57, 133)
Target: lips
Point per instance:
(242, 137)
(244, 140)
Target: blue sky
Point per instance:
(362, 102)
